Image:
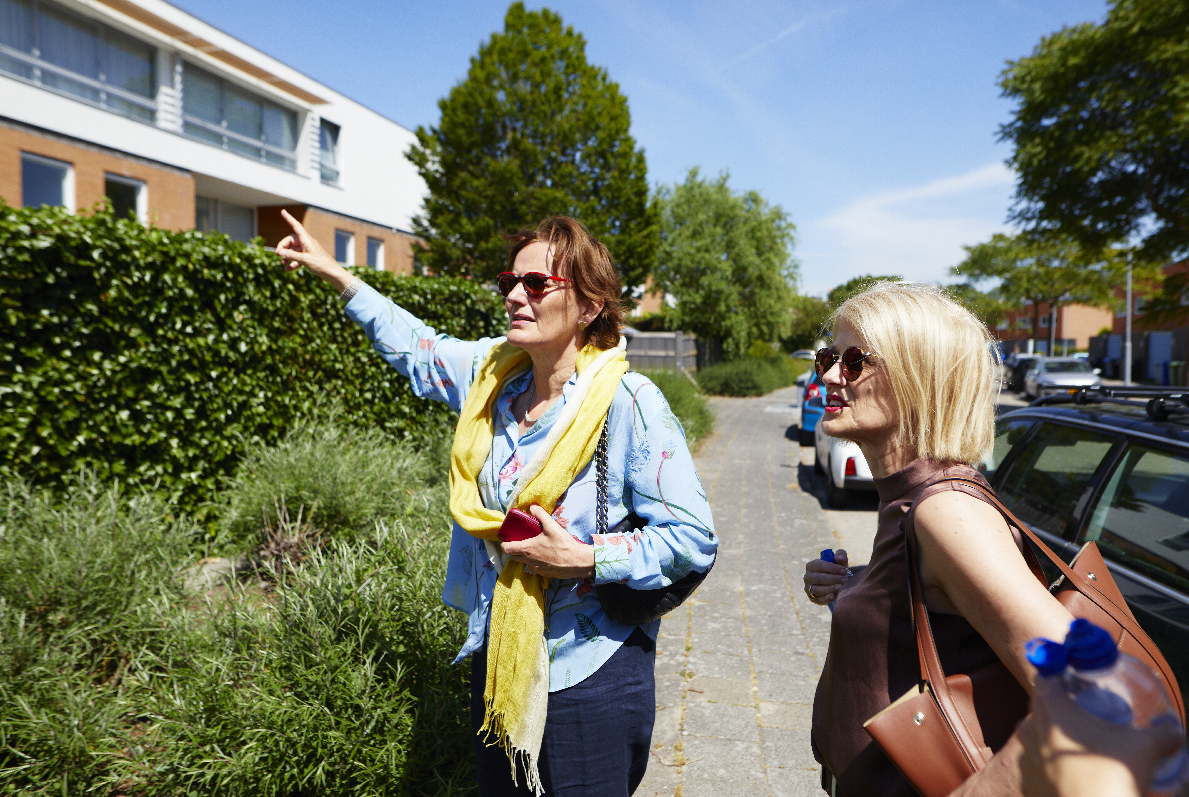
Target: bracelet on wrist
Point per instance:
(351, 289)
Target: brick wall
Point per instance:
(398, 246)
(170, 191)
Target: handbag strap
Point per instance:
(601, 483)
(931, 670)
(1120, 614)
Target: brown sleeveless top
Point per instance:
(873, 655)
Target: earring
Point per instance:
(582, 325)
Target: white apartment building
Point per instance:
(187, 127)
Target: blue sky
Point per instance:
(872, 123)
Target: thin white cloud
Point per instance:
(917, 232)
(789, 31)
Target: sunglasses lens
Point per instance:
(506, 283)
(534, 283)
(825, 360)
(852, 360)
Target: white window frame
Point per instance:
(217, 212)
(379, 264)
(326, 179)
(350, 254)
(67, 180)
(142, 193)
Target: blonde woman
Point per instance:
(909, 379)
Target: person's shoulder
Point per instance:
(639, 392)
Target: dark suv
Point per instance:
(1109, 465)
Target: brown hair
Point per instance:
(579, 257)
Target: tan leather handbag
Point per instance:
(946, 728)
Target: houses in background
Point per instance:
(1159, 346)
(189, 128)
(1069, 329)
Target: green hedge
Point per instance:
(690, 406)
(750, 377)
(153, 357)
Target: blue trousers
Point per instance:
(597, 732)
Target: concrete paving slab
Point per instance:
(707, 758)
(722, 721)
(737, 665)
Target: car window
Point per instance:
(1007, 435)
(1142, 519)
(1051, 475)
(1066, 367)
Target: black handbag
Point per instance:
(622, 603)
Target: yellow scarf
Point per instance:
(517, 691)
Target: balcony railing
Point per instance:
(32, 69)
(240, 144)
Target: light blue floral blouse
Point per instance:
(650, 470)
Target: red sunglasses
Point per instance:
(535, 282)
(852, 361)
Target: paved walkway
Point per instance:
(737, 666)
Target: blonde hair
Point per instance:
(939, 360)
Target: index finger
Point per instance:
(298, 229)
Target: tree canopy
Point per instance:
(532, 131)
(1041, 269)
(1100, 131)
(726, 260)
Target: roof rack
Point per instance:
(1161, 403)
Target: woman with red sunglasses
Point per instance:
(562, 696)
(910, 380)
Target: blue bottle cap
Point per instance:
(1047, 656)
(1089, 647)
(828, 556)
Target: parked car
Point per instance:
(1015, 374)
(812, 406)
(803, 354)
(843, 465)
(1109, 465)
(1058, 374)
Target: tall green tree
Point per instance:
(1101, 132)
(726, 259)
(1042, 269)
(532, 131)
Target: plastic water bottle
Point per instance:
(1113, 686)
(828, 556)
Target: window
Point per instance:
(45, 181)
(1024, 322)
(54, 48)
(1007, 435)
(375, 254)
(1044, 321)
(1046, 484)
(344, 247)
(328, 152)
(1142, 520)
(126, 196)
(1002, 324)
(227, 116)
(234, 221)
(1140, 305)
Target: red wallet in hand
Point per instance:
(519, 525)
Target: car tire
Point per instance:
(817, 465)
(805, 438)
(836, 496)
